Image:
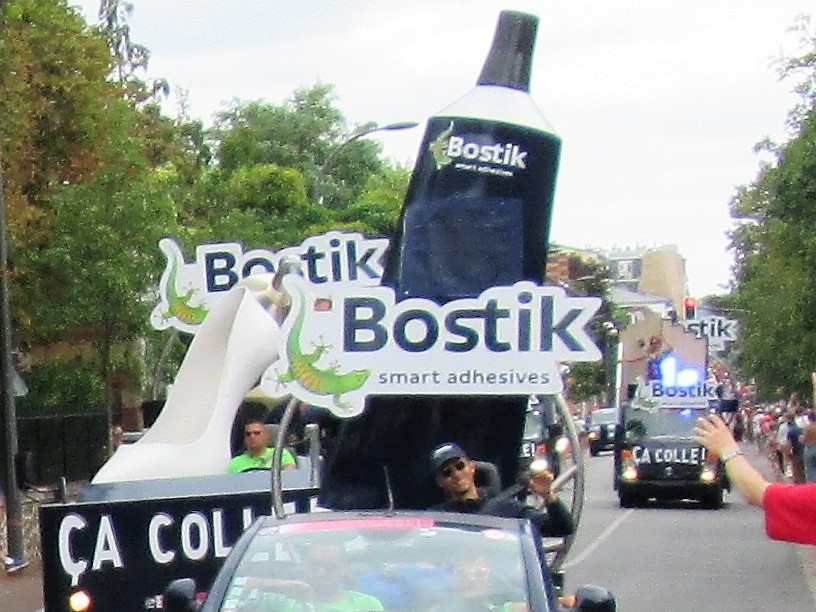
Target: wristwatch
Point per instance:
(730, 455)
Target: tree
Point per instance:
(87, 205)
(589, 277)
(775, 247)
(301, 133)
(377, 210)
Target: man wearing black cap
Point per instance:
(456, 475)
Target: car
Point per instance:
(385, 560)
(658, 457)
(601, 430)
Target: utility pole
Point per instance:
(8, 414)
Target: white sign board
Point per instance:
(718, 330)
(341, 343)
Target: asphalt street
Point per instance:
(679, 557)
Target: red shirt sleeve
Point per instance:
(790, 512)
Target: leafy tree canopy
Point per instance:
(775, 247)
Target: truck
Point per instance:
(667, 389)
(656, 457)
(163, 507)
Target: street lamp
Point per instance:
(610, 361)
(317, 189)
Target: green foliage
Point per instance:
(56, 386)
(101, 258)
(95, 175)
(377, 210)
(775, 246)
(586, 380)
(306, 132)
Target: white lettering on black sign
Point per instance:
(199, 535)
(685, 455)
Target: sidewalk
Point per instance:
(22, 592)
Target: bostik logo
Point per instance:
(361, 341)
(447, 148)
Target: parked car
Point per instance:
(403, 560)
(601, 430)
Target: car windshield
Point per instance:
(654, 422)
(540, 414)
(604, 416)
(380, 563)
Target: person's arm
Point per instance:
(557, 522)
(715, 435)
(288, 461)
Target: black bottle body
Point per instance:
(478, 208)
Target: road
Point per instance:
(677, 557)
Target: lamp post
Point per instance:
(610, 361)
(317, 189)
(8, 414)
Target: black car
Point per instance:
(657, 457)
(601, 430)
(382, 560)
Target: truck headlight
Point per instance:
(629, 473)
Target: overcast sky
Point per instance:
(659, 102)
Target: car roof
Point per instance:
(603, 412)
(406, 519)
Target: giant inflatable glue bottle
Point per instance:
(476, 215)
(478, 208)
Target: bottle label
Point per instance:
(502, 159)
(486, 147)
(478, 208)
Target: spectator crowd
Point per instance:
(784, 431)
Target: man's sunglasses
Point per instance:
(456, 467)
(252, 433)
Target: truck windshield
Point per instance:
(654, 422)
(540, 414)
(604, 416)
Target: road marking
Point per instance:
(599, 540)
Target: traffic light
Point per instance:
(690, 307)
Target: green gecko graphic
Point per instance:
(302, 365)
(180, 306)
(439, 147)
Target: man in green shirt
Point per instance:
(258, 453)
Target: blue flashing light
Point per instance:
(672, 375)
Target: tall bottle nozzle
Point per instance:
(510, 59)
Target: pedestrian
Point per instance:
(782, 446)
(117, 436)
(455, 475)
(795, 457)
(790, 509)
(10, 564)
(739, 427)
(809, 447)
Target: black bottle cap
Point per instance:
(510, 59)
